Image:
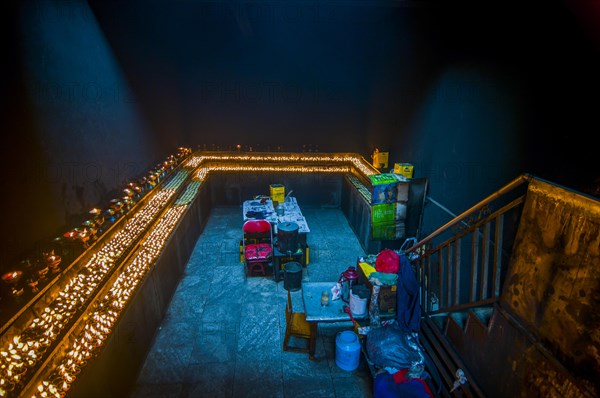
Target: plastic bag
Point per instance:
(390, 346)
(388, 261)
(336, 291)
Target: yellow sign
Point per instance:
(380, 159)
(404, 169)
(277, 192)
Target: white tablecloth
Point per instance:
(292, 213)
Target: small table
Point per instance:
(333, 312)
(315, 313)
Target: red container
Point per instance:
(347, 280)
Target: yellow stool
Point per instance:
(297, 326)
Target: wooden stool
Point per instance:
(297, 326)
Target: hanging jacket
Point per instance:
(408, 309)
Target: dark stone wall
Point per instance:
(74, 135)
(311, 189)
(552, 284)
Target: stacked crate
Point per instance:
(383, 206)
(389, 203)
(402, 188)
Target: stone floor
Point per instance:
(222, 335)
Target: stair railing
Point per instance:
(466, 270)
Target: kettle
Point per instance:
(347, 279)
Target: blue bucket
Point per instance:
(347, 350)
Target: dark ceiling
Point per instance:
(337, 75)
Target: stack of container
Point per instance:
(402, 188)
(389, 203)
(403, 172)
(383, 206)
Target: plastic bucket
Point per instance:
(358, 300)
(292, 276)
(287, 237)
(347, 350)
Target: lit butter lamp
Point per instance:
(31, 275)
(54, 262)
(97, 217)
(70, 235)
(153, 178)
(143, 183)
(83, 235)
(127, 202)
(42, 269)
(134, 187)
(116, 205)
(91, 229)
(99, 220)
(78, 234)
(33, 281)
(12, 279)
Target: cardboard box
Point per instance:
(383, 188)
(400, 211)
(277, 193)
(404, 169)
(383, 231)
(383, 214)
(399, 230)
(387, 294)
(383, 194)
(402, 188)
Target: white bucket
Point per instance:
(358, 305)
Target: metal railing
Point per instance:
(466, 269)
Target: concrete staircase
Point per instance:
(508, 295)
